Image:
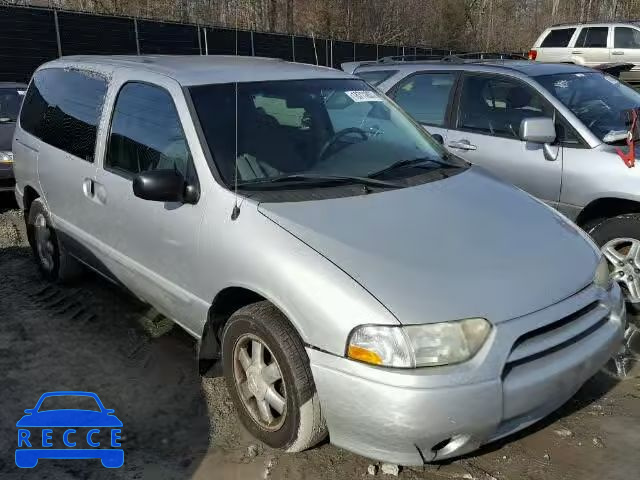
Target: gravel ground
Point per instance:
(176, 425)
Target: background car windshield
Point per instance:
(598, 100)
(69, 402)
(322, 127)
(10, 100)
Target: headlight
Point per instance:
(602, 277)
(418, 345)
(6, 157)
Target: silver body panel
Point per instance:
(465, 246)
(577, 177)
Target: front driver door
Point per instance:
(486, 130)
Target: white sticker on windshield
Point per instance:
(21, 92)
(363, 96)
(561, 84)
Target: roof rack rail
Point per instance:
(411, 58)
(591, 22)
(466, 57)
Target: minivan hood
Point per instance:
(466, 246)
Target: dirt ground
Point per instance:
(94, 337)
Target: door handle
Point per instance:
(88, 188)
(615, 52)
(462, 145)
(94, 191)
(577, 52)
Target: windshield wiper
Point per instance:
(414, 162)
(316, 179)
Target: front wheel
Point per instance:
(619, 239)
(269, 379)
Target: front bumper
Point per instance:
(7, 180)
(529, 367)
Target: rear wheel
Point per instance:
(54, 262)
(269, 379)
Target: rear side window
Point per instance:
(593, 37)
(146, 133)
(63, 109)
(626, 37)
(558, 38)
(425, 96)
(376, 77)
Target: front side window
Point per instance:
(597, 99)
(593, 37)
(308, 127)
(558, 38)
(425, 96)
(626, 37)
(63, 108)
(146, 133)
(497, 106)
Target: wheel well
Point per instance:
(224, 305)
(604, 208)
(29, 196)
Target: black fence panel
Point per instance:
(389, 50)
(27, 40)
(83, 34)
(167, 38)
(222, 41)
(272, 45)
(342, 52)
(366, 51)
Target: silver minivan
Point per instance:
(348, 274)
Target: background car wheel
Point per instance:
(54, 262)
(619, 239)
(269, 379)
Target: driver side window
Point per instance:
(497, 106)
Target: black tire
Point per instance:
(622, 226)
(63, 267)
(303, 425)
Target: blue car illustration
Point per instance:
(31, 448)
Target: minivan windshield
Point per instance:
(10, 100)
(312, 130)
(597, 99)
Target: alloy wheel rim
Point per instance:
(44, 243)
(623, 255)
(259, 382)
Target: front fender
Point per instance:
(321, 301)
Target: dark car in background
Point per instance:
(11, 95)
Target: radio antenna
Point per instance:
(315, 50)
(235, 213)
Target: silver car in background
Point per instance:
(349, 275)
(551, 129)
(11, 95)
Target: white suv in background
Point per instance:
(590, 45)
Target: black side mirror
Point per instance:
(438, 138)
(164, 186)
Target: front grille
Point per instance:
(556, 335)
